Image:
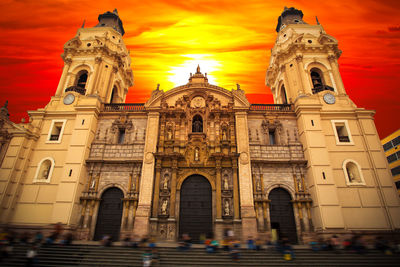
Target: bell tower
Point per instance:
(303, 61)
(345, 164)
(97, 63)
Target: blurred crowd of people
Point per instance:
(356, 243)
(229, 244)
(9, 238)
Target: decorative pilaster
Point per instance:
(249, 223)
(61, 84)
(147, 177)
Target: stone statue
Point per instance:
(133, 187)
(164, 207)
(196, 154)
(197, 127)
(351, 176)
(258, 186)
(45, 174)
(226, 209)
(226, 185)
(169, 134)
(224, 137)
(165, 183)
(93, 184)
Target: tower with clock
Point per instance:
(348, 183)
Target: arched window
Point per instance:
(197, 124)
(352, 173)
(81, 79)
(44, 170)
(316, 79)
(114, 95)
(283, 95)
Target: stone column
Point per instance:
(156, 189)
(218, 188)
(265, 210)
(306, 88)
(337, 79)
(91, 88)
(110, 85)
(61, 84)
(249, 224)
(235, 190)
(173, 188)
(141, 226)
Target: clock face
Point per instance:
(69, 99)
(329, 98)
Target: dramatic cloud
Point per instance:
(231, 40)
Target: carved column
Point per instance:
(83, 211)
(173, 188)
(218, 188)
(125, 213)
(156, 188)
(265, 214)
(235, 189)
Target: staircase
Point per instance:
(91, 255)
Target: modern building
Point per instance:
(198, 158)
(391, 146)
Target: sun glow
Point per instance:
(180, 74)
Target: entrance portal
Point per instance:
(195, 212)
(281, 212)
(110, 214)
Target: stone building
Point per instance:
(198, 158)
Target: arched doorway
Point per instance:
(281, 214)
(110, 214)
(195, 209)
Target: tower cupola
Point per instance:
(289, 16)
(111, 19)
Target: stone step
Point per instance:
(89, 255)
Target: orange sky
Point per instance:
(230, 39)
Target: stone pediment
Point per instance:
(198, 95)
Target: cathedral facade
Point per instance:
(198, 158)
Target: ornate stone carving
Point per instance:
(149, 157)
(197, 102)
(244, 158)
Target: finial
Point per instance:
(83, 24)
(158, 86)
(205, 74)
(316, 18)
(191, 74)
(238, 86)
(198, 69)
(4, 110)
(115, 11)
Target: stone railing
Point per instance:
(271, 107)
(124, 107)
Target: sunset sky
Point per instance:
(231, 40)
